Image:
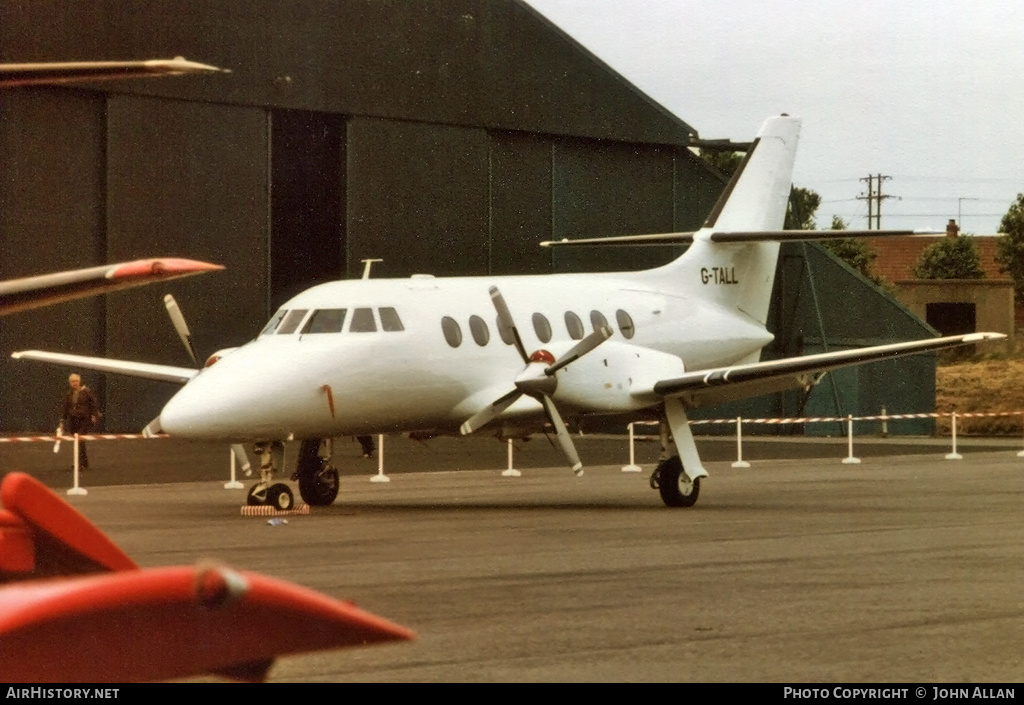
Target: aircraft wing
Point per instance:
(54, 72)
(45, 289)
(162, 373)
(72, 592)
(742, 381)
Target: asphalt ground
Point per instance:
(904, 568)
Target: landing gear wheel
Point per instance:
(257, 495)
(319, 488)
(677, 490)
(280, 497)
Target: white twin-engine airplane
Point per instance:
(430, 356)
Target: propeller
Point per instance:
(178, 319)
(537, 380)
(179, 325)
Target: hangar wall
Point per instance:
(52, 216)
(447, 136)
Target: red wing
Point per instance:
(123, 623)
(45, 289)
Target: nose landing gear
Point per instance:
(266, 491)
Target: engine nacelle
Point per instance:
(616, 377)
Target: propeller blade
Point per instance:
(179, 325)
(152, 429)
(489, 413)
(506, 322)
(564, 440)
(600, 334)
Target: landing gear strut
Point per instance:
(266, 491)
(678, 487)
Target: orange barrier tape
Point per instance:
(81, 437)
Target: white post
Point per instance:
(1020, 453)
(954, 455)
(632, 467)
(511, 471)
(740, 462)
(885, 423)
(380, 476)
(233, 484)
(850, 459)
(76, 489)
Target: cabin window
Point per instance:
(291, 321)
(362, 321)
(541, 327)
(389, 320)
(505, 333)
(325, 320)
(597, 319)
(272, 323)
(452, 331)
(625, 322)
(574, 325)
(478, 327)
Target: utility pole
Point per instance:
(874, 198)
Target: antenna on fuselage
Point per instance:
(367, 263)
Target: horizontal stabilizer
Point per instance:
(162, 373)
(685, 238)
(741, 381)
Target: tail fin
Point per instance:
(741, 275)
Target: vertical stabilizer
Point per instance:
(741, 275)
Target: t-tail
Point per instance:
(740, 274)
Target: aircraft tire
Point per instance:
(280, 497)
(674, 486)
(319, 488)
(257, 495)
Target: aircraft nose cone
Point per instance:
(214, 405)
(192, 415)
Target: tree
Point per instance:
(950, 258)
(1010, 246)
(854, 251)
(803, 202)
(722, 160)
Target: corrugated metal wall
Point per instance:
(446, 136)
(52, 216)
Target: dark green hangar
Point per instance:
(440, 136)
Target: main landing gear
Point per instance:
(676, 489)
(318, 479)
(677, 477)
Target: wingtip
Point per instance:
(163, 266)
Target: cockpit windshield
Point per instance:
(272, 323)
(291, 321)
(325, 320)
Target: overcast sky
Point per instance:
(927, 92)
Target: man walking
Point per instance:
(79, 414)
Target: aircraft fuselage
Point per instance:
(448, 358)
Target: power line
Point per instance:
(875, 198)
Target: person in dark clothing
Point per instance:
(79, 414)
(367, 443)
